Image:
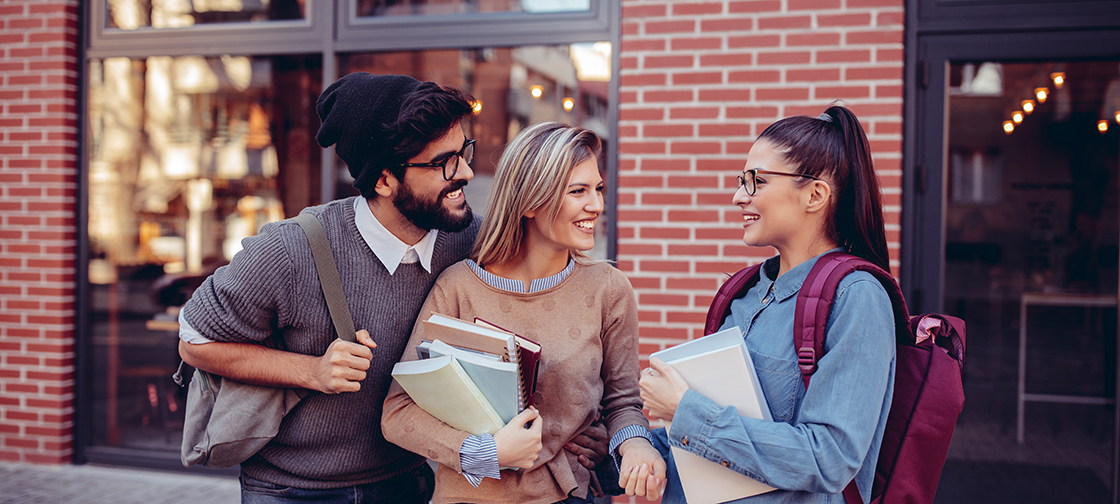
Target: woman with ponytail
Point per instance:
(808, 188)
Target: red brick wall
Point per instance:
(38, 173)
(699, 80)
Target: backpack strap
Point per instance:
(814, 303)
(734, 288)
(328, 275)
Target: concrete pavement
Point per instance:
(91, 484)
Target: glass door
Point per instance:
(1031, 245)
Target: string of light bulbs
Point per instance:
(1028, 106)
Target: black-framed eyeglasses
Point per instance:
(750, 182)
(451, 164)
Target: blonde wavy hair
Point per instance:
(532, 175)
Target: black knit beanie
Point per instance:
(356, 111)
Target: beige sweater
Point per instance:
(588, 329)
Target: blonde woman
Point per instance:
(527, 273)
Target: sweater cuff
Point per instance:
(479, 459)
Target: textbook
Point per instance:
(482, 336)
(719, 367)
(424, 347)
(464, 334)
(530, 357)
(498, 381)
(440, 386)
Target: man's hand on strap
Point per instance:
(343, 367)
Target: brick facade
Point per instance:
(699, 81)
(38, 246)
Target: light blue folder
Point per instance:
(496, 380)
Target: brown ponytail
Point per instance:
(834, 146)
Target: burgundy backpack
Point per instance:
(928, 395)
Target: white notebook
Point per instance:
(441, 387)
(719, 367)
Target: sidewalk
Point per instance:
(91, 484)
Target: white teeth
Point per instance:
(586, 225)
(750, 218)
(454, 194)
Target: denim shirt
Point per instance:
(823, 436)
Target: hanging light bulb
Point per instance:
(536, 91)
(1008, 127)
(1028, 106)
(1102, 126)
(476, 107)
(1059, 78)
(1117, 115)
(1017, 117)
(569, 104)
(1041, 93)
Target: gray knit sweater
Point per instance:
(271, 287)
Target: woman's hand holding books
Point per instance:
(519, 446)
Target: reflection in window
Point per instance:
(187, 156)
(133, 14)
(426, 7)
(513, 87)
(1032, 258)
(976, 175)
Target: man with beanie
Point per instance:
(404, 144)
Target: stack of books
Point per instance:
(473, 376)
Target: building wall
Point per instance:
(699, 81)
(38, 246)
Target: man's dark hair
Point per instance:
(427, 114)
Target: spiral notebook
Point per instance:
(530, 358)
(487, 338)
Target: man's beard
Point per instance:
(428, 215)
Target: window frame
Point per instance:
(330, 28)
(260, 38)
(474, 30)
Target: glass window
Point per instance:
(425, 7)
(187, 156)
(134, 14)
(1032, 231)
(513, 87)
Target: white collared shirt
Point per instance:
(390, 250)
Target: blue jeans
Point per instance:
(413, 487)
(673, 492)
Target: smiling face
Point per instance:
(425, 198)
(573, 228)
(776, 213)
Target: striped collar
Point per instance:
(518, 286)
